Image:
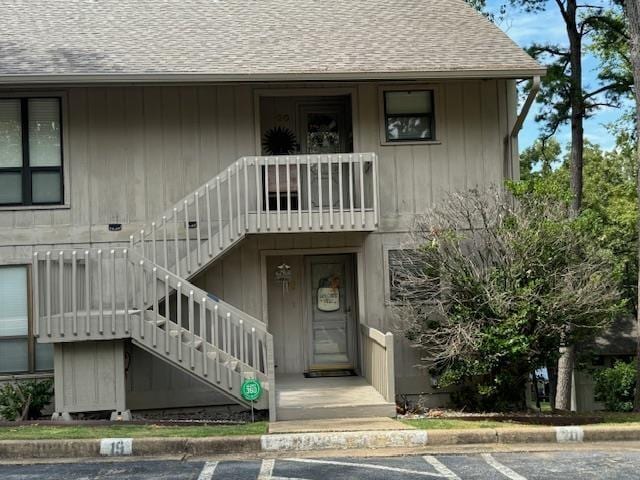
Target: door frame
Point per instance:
(301, 91)
(352, 330)
(358, 253)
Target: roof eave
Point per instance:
(82, 78)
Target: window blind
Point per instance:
(10, 133)
(44, 132)
(13, 298)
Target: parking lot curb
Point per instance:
(294, 442)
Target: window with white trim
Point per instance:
(19, 351)
(409, 115)
(31, 151)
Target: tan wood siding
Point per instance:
(133, 151)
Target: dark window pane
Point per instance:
(44, 356)
(10, 187)
(46, 187)
(14, 355)
(409, 128)
(414, 102)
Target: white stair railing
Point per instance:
(98, 294)
(294, 193)
(94, 294)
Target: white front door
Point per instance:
(330, 312)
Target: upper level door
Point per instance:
(331, 315)
(323, 129)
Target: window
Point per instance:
(30, 151)
(409, 116)
(19, 352)
(411, 278)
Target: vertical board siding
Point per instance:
(134, 151)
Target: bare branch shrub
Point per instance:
(488, 285)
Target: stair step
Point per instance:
(160, 322)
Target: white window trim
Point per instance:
(66, 163)
(437, 112)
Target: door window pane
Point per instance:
(13, 300)
(44, 132)
(14, 355)
(45, 187)
(10, 133)
(323, 133)
(10, 187)
(44, 356)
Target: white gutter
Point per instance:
(535, 88)
(511, 138)
(81, 78)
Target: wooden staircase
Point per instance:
(143, 292)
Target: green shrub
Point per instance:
(615, 386)
(24, 400)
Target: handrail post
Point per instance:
(203, 335)
(127, 320)
(87, 291)
(208, 200)
(191, 330)
(74, 292)
(390, 368)
(36, 296)
(48, 292)
(270, 371)
(167, 314)
(376, 190)
(61, 291)
(113, 291)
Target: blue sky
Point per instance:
(548, 27)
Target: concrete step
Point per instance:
(300, 398)
(332, 412)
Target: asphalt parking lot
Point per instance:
(581, 465)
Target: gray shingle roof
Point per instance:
(257, 38)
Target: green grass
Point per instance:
(610, 419)
(40, 432)
(445, 424)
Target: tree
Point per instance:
(490, 286)
(609, 210)
(564, 100)
(632, 10)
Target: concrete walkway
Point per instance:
(338, 425)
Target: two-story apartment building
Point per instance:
(197, 192)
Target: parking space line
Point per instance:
(503, 469)
(440, 467)
(266, 469)
(366, 465)
(207, 471)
